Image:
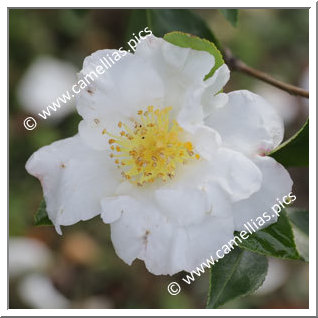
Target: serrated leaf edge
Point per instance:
(280, 257)
(242, 295)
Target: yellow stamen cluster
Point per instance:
(152, 148)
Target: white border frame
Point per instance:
(312, 175)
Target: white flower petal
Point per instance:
(186, 206)
(215, 83)
(247, 123)
(113, 207)
(212, 96)
(129, 85)
(217, 101)
(183, 66)
(276, 184)
(205, 140)
(183, 206)
(130, 232)
(159, 74)
(237, 174)
(206, 238)
(166, 248)
(219, 201)
(192, 195)
(190, 113)
(182, 71)
(74, 179)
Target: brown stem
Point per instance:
(237, 65)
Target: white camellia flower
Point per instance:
(45, 80)
(171, 163)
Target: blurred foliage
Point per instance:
(85, 265)
(231, 15)
(162, 21)
(41, 217)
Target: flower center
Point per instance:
(151, 149)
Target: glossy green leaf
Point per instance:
(162, 21)
(300, 218)
(231, 15)
(295, 150)
(194, 42)
(302, 243)
(277, 240)
(239, 273)
(41, 217)
(300, 223)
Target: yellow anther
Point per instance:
(188, 145)
(152, 149)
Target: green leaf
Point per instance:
(295, 150)
(300, 224)
(239, 273)
(302, 243)
(300, 218)
(277, 240)
(162, 21)
(194, 42)
(231, 15)
(41, 217)
(137, 21)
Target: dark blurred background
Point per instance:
(80, 269)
